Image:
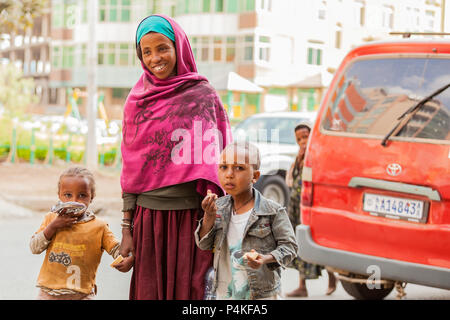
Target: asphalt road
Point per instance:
(20, 269)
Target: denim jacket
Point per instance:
(268, 231)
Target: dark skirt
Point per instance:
(307, 270)
(168, 265)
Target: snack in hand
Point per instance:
(252, 254)
(118, 260)
(69, 208)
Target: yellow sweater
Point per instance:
(74, 253)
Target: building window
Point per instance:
(387, 17)
(218, 42)
(68, 57)
(204, 49)
(264, 48)
(359, 12)
(338, 42)
(322, 11)
(266, 5)
(57, 14)
(232, 6)
(231, 49)
(83, 55)
(315, 56)
(122, 54)
(248, 48)
(429, 16)
(219, 5)
(56, 57)
(249, 5)
(115, 11)
(206, 6)
(63, 14)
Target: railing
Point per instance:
(109, 155)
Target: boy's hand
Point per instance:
(209, 204)
(60, 222)
(256, 263)
(63, 221)
(126, 264)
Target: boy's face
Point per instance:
(77, 189)
(236, 175)
(301, 135)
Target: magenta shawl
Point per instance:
(173, 129)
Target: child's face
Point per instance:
(301, 135)
(236, 175)
(76, 189)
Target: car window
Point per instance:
(271, 130)
(373, 93)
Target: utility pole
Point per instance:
(91, 147)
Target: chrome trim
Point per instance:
(357, 182)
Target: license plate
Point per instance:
(396, 208)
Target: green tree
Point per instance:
(16, 92)
(18, 15)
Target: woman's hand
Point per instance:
(126, 264)
(126, 245)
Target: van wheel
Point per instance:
(274, 188)
(360, 291)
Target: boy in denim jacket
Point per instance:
(251, 236)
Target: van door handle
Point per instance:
(357, 182)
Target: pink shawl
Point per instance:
(173, 129)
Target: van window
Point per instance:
(270, 130)
(373, 93)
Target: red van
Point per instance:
(376, 180)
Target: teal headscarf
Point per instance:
(155, 24)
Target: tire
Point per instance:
(360, 291)
(274, 188)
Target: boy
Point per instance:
(74, 242)
(251, 236)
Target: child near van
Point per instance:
(294, 181)
(251, 236)
(74, 242)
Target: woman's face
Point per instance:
(159, 55)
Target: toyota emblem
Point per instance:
(394, 169)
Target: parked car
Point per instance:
(376, 181)
(273, 134)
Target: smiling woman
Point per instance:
(162, 196)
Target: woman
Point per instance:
(174, 128)
(294, 181)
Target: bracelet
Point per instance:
(126, 225)
(124, 219)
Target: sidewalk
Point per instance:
(26, 189)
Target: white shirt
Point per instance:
(232, 274)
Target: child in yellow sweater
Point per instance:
(74, 242)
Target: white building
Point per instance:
(287, 48)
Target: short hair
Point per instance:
(251, 152)
(303, 125)
(79, 172)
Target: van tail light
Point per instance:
(307, 187)
(307, 194)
